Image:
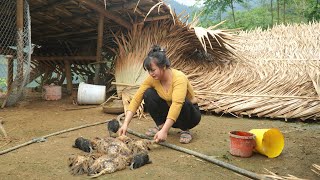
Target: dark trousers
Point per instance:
(158, 109)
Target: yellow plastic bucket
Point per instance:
(269, 142)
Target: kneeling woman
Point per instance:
(169, 98)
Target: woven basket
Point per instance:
(113, 107)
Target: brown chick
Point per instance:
(106, 165)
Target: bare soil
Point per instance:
(35, 117)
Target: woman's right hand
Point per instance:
(124, 127)
(123, 130)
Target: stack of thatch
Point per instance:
(280, 77)
(224, 83)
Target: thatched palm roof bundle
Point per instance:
(265, 89)
(275, 75)
(282, 42)
(281, 72)
(278, 76)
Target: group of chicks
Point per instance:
(109, 154)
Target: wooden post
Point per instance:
(99, 48)
(10, 72)
(67, 67)
(20, 42)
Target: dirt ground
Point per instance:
(48, 160)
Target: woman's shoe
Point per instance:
(185, 137)
(152, 131)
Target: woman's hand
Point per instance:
(163, 133)
(160, 136)
(123, 130)
(124, 127)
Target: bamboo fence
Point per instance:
(273, 73)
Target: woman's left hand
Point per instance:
(160, 136)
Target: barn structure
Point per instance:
(67, 38)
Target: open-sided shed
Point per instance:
(69, 37)
(81, 33)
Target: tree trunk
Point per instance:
(284, 11)
(232, 8)
(271, 12)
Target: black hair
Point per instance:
(158, 55)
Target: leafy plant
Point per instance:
(258, 13)
(3, 84)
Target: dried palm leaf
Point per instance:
(316, 170)
(136, 6)
(275, 176)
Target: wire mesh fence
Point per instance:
(15, 50)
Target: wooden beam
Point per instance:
(107, 13)
(99, 48)
(63, 58)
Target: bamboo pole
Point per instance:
(20, 40)
(99, 48)
(228, 166)
(67, 67)
(44, 138)
(210, 94)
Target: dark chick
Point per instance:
(113, 127)
(139, 160)
(83, 144)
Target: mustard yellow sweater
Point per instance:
(179, 90)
